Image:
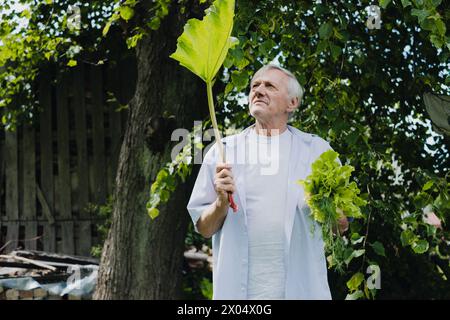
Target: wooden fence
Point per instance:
(53, 171)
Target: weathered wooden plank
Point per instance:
(64, 182)
(68, 245)
(58, 237)
(12, 237)
(29, 176)
(12, 177)
(44, 204)
(79, 108)
(98, 135)
(20, 262)
(40, 234)
(31, 235)
(46, 144)
(49, 236)
(55, 258)
(91, 179)
(84, 241)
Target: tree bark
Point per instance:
(142, 258)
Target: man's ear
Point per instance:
(293, 104)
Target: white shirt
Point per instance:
(304, 258)
(265, 212)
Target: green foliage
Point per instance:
(430, 20)
(197, 283)
(43, 39)
(329, 190)
(330, 196)
(126, 11)
(103, 215)
(355, 281)
(168, 177)
(207, 288)
(40, 38)
(378, 248)
(20, 55)
(418, 234)
(72, 63)
(194, 239)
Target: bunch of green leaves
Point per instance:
(330, 195)
(329, 189)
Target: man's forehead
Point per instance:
(272, 75)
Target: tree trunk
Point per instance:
(142, 258)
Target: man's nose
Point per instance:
(259, 91)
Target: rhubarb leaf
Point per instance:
(204, 44)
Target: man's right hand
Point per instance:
(223, 182)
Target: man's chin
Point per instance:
(258, 115)
(257, 109)
(254, 112)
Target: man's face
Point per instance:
(269, 99)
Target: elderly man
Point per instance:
(268, 248)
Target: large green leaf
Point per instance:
(204, 44)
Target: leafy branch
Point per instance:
(168, 177)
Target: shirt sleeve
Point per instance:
(203, 193)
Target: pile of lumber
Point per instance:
(24, 266)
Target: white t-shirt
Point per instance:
(266, 176)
